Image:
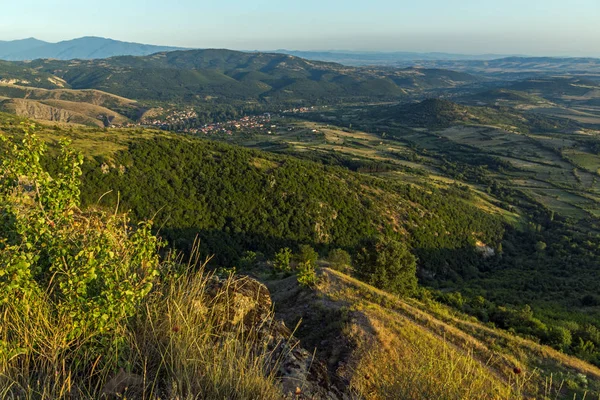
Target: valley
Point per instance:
(483, 177)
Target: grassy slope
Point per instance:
(428, 351)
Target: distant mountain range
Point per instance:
(88, 48)
(84, 48)
(515, 67)
(358, 58)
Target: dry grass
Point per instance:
(178, 346)
(406, 349)
(418, 364)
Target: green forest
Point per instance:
(236, 200)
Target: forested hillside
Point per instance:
(238, 199)
(196, 76)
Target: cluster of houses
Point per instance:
(186, 121)
(255, 123)
(175, 117)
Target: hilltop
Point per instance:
(430, 113)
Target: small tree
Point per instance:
(306, 275)
(307, 254)
(559, 337)
(281, 263)
(339, 260)
(248, 260)
(388, 265)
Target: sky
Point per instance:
(532, 27)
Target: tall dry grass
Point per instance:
(180, 345)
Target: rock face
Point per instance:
(35, 110)
(247, 302)
(62, 111)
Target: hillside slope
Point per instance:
(439, 113)
(62, 111)
(194, 75)
(86, 98)
(428, 350)
(16, 46)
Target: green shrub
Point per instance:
(388, 265)
(91, 266)
(306, 274)
(307, 254)
(559, 337)
(249, 260)
(281, 263)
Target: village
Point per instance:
(187, 121)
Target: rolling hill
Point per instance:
(516, 67)
(358, 58)
(438, 113)
(81, 48)
(198, 76)
(240, 202)
(17, 46)
(88, 107)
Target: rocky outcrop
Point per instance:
(35, 110)
(247, 303)
(62, 111)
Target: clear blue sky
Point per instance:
(536, 27)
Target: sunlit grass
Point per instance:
(180, 345)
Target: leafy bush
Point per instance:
(559, 337)
(306, 274)
(307, 254)
(249, 260)
(92, 267)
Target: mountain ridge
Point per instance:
(227, 75)
(87, 47)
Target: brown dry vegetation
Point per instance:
(62, 111)
(408, 349)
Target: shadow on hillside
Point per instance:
(225, 247)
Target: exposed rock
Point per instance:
(62, 111)
(485, 250)
(247, 302)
